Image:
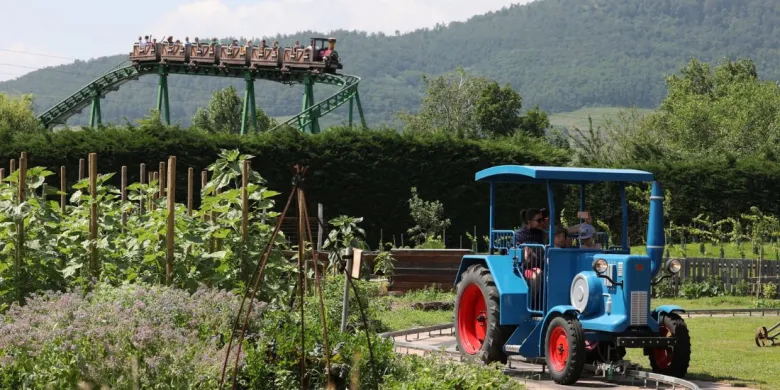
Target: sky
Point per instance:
(84, 29)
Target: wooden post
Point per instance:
(162, 179)
(244, 200)
(171, 214)
(143, 181)
(156, 177)
(93, 214)
(63, 189)
(190, 179)
(124, 193)
(12, 166)
(81, 169)
(2, 175)
(320, 225)
(20, 225)
(204, 180)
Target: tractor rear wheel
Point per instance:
(565, 349)
(674, 360)
(477, 328)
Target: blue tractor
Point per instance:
(569, 304)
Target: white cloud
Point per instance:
(19, 59)
(208, 18)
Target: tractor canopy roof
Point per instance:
(571, 175)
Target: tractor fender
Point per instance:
(512, 289)
(556, 311)
(666, 309)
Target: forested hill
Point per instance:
(560, 54)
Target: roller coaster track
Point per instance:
(419, 340)
(308, 117)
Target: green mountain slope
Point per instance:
(560, 54)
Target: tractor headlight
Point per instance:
(673, 266)
(600, 266)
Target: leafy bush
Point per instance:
(742, 288)
(124, 337)
(769, 290)
(433, 372)
(352, 172)
(712, 287)
(208, 245)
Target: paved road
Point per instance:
(531, 374)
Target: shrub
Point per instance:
(769, 290)
(133, 335)
(433, 372)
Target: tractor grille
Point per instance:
(639, 308)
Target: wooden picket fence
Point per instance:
(730, 271)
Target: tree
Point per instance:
(223, 114)
(498, 110)
(16, 114)
(448, 105)
(535, 122)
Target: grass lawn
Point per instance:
(725, 302)
(731, 251)
(579, 118)
(723, 350)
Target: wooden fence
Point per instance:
(730, 271)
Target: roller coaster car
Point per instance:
(233, 55)
(569, 305)
(204, 53)
(265, 57)
(317, 56)
(148, 53)
(173, 52)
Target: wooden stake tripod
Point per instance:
(304, 231)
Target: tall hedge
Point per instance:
(353, 172)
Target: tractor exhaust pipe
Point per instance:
(655, 229)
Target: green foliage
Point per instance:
(428, 215)
(769, 290)
(438, 372)
(469, 106)
(133, 336)
(498, 110)
(345, 233)
(224, 113)
(208, 245)
(351, 172)
(712, 287)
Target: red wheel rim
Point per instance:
(663, 356)
(558, 349)
(472, 319)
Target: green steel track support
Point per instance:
(360, 109)
(308, 104)
(351, 101)
(94, 115)
(162, 95)
(250, 110)
(306, 119)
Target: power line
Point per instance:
(39, 54)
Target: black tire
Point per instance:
(496, 336)
(565, 370)
(681, 352)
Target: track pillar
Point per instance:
(95, 115)
(360, 109)
(162, 95)
(308, 102)
(351, 101)
(250, 110)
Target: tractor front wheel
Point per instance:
(565, 352)
(477, 328)
(674, 360)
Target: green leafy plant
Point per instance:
(428, 215)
